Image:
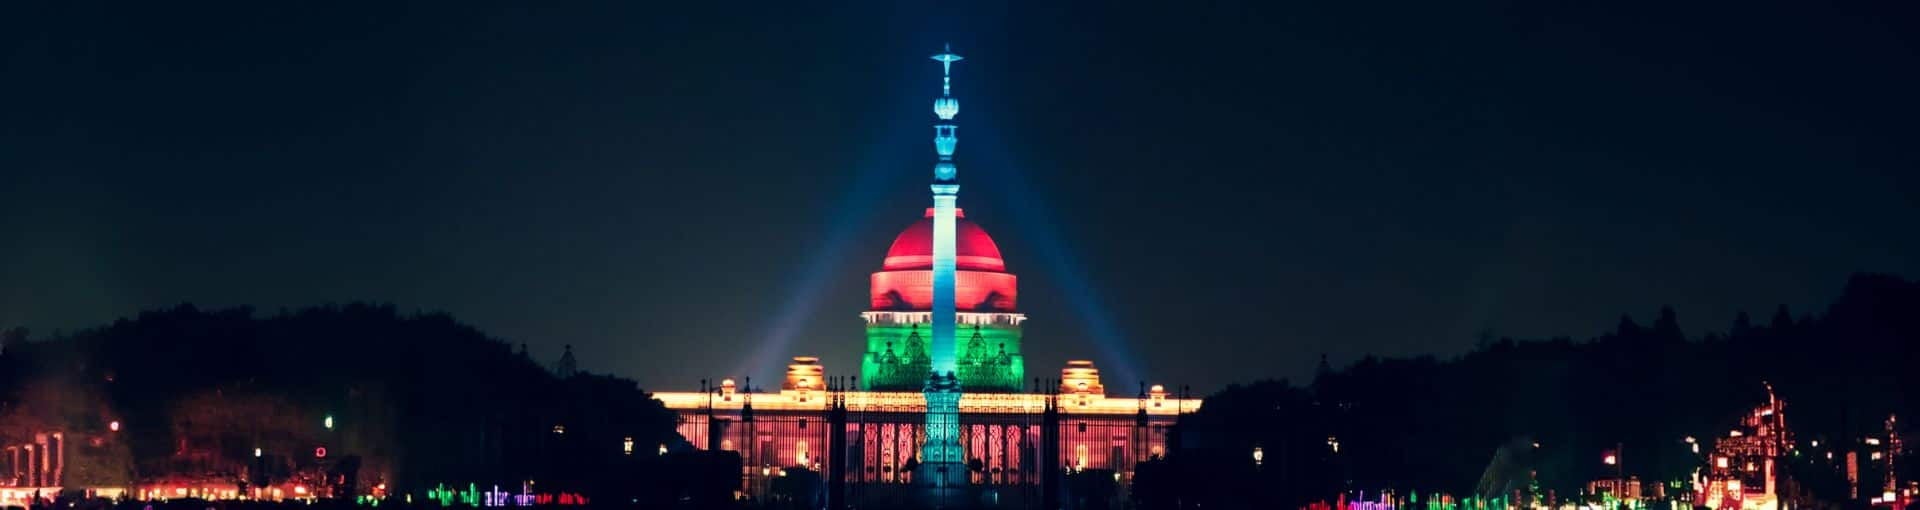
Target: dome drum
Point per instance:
(974, 291)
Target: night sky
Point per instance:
(1189, 194)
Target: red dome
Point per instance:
(973, 249)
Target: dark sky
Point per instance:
(1191, 194)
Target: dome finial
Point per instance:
(947, 58)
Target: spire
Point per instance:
(945, 107)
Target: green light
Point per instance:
(979, 362)
(329, 422)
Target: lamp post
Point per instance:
(1619, 471)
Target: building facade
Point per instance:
(942, 399)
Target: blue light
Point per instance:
(944, 140)
(942, 448)
(946, 107)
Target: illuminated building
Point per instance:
(35, 467)
(1742, 473)
(942, 401)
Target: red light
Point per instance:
(972, 291)
(973, 249)
(320, 452)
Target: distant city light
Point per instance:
(328, 422)
(1735, 433)
(1691, 440)
(114, 425)
(663, 448)
(1611, 459)
(559, 429)
(256, 453)
(1258, 455)
(626, 445)
(1816, 443)
(1873, 441)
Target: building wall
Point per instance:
(881, 444)
(994, 336)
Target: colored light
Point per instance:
(328, 422)
(1611, 460)
(114, 425)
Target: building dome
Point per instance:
(981, 281)
(973, 249)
